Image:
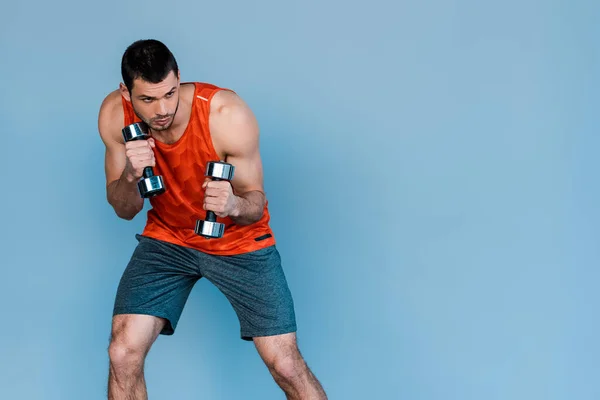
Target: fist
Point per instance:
(219, 197)
(139, 156)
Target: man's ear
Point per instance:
(124, 92)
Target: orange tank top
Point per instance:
(182, 165)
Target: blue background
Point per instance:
(431, 168)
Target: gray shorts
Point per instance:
(160, 276)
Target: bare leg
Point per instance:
(131, 339)
(282, 356)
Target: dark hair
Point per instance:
(149, 60)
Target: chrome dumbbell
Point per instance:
(150, 185)
(209, 227)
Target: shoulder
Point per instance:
(110, 117)
(228, 107)
(232, 123)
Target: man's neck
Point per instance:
(170, 135)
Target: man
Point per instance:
(191, 124)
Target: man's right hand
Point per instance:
(139, 155)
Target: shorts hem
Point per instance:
(169, 327)
(249, 335)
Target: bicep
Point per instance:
(114, 161)
(248, 174)
(114, 155)
(237, 132)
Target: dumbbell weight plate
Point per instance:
(151, 186)
(135, 131)
(210, 229)
(220, 170)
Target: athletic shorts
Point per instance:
(160, 276)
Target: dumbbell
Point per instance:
(209, 227)
(150, 185)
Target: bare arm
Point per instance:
(121, 185)
(235, 130)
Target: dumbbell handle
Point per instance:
(210, 215)
(148, 172)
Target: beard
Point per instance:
(150, 122)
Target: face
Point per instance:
(156, 103)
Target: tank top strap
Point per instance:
(203, 96)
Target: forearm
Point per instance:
(124, 196)
(249, 208)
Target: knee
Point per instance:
(288, 367)
(125, 355)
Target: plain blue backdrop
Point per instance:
(431, 168)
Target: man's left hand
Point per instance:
(219, 198)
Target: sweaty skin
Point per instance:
(166, 108)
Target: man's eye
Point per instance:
(147, 100)
(170, 94)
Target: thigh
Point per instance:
(157, 281)
(256, 286)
